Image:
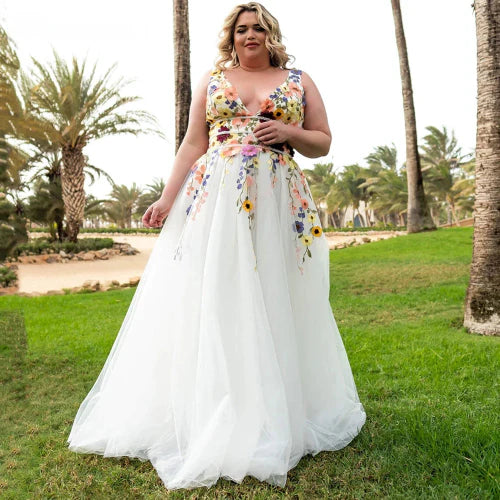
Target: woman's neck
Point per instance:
(255, 66)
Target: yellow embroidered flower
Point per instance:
(278, 113)
(219, 97)
(316, 230)
(311, 218)
(247, 205)
(306, 240)
(225, 112)
(256, 162)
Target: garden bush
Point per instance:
(44, 245)
(106, 230)
(8, 277)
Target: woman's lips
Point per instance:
(252, 45)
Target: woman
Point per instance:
(229, 361)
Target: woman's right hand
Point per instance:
(156, 213)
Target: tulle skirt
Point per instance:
(229, 361)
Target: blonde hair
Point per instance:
(227, 52)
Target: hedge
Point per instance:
(41, 245)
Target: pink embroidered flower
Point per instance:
(249, 150)
(230, 93)
(304, 203)
(198, 175)
(240, 122)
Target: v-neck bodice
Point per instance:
(231, 123)
(238, 96)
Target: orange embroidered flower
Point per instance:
(247, 205)
(267, 106)
(230, 93)
(240, 122)
(304, 203)
(278, 113)
(316, 231)
(200, 172)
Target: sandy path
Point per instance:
(44, 277)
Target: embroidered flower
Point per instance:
(278, 113)
(299, 226)
(230, 93)
(307, 240)
(249, 150)
(267, 106)
(316, 231)
(247, 205)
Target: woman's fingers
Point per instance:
(146, 218)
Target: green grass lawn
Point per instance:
(429, 388)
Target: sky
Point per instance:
(348, 49)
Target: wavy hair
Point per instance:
(227, 52)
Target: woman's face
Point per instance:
(249, 37)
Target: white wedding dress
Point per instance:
(229, 361)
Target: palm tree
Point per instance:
(152, 193)
(123, 204)
(81, 108)
(442, 160)
(382, 158)
(350, 183)
(465, 186)
(182, 68)
(419, 217)
(482, 303)
(45, 206)
(95, 209)
(389, 194)
(12, 222)
(320, 179)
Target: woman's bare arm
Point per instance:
(314, 139)
(194, 144)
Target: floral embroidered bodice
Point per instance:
(231, 123)
(231, 138)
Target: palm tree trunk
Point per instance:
(72, 179)
(482, 302)
(181, 70)
(4, 154)
(418, 212)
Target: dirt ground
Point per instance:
(45, 277)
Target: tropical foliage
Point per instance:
(382, 187)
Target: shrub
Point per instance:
(41, 245)
(106, 230)
(8, 277)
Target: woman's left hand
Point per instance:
(271, 132)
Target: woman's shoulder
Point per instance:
(305, 78)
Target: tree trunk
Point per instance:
(72, 179)
(419, 217)
(482, 302)
(181, 70)
(323, 215)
